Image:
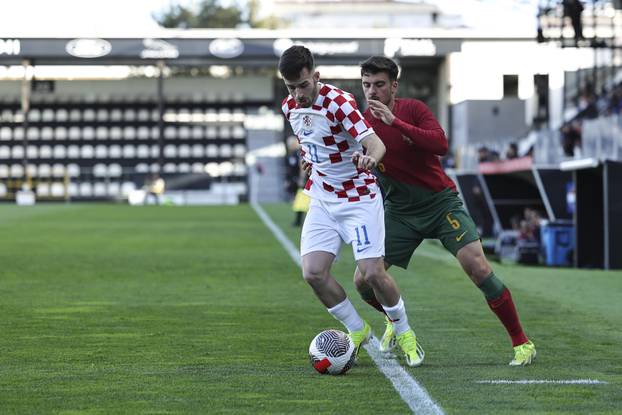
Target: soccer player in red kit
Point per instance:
(421, 201)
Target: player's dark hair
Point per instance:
(294, 60)
(378, 64)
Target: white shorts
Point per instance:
(360, 224)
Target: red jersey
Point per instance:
(416, 162)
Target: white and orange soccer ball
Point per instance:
(332, 352)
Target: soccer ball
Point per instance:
(332, 352)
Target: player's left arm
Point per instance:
(423, 130)
(374, 152)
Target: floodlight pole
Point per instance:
(25, 106)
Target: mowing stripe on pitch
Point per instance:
(410, 391)
(543, 382)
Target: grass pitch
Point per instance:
(114, 309)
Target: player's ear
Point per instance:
(394, 87)
(316, 76)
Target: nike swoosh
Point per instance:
(359, 250)
(305, 133)
(459, 237)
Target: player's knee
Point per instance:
(373, 276)
(480, 268)
(314, 276)
(359, 281)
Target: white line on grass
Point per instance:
(543, 381)
(410, 391)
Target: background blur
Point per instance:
(179, 103)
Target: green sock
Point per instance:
(492, 287)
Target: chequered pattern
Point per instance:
(330, 132)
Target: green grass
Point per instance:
(115, 309)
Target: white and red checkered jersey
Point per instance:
(329, 132)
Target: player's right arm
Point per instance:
(374, 152)
(424, 131)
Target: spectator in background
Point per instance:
(483, 154)
(571, 137)
(512, 151)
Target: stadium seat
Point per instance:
(5, 134)
(101, 151)
(129, 151)
(73, 152)
(100, 170)
(47, 133)
(101, 133)
(73, 170)
(238, 132)
(239, 150)
(114, 189)
(88, 133)
(18, 133)
(114, 151)
(87, 152)
(86, 189)
(47, 115)
(211, 132)
(170, 151)
(17, 170)
(43, 189)
(183, 168)
(183, 151)
(58, 170)
(184, 132)
(211, 150)
(170, 133)
(3, 190)
(224, 132)
(60, 133)
(59, 152)
(126, 188)
(75, 115)
(34, 115)
(169, 168)
(17, 152)
(129, 133)
(155, 150)
(197, 132)
(74, 133)
(142, 168)
(197, 151)
(143, 115)
(99, 189)
(4, 171)
(198, 168)
(88, 115)
(225, 150)
(32, 152)
(72, 189)
(142, 151)
(45, 152)
(116, 114)
(115, 170)
(33, 133)
(129, 114)
(116, 133)
(143, 133)
(62, 115)
(5, 152)
(102, 114)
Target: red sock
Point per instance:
(504, 308)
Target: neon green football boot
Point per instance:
(413, 352)
(524, 354)
(387, 342)
(360, 337)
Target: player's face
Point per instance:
(379, 88)
(305, 88)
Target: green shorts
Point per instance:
(444, 219)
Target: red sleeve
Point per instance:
(423, 129)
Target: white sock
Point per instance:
(397, 314)
(347, 315)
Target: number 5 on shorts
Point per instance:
(453, 222)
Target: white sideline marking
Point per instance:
(410, 391)
(544, 381)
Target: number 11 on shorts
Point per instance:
(362, 232)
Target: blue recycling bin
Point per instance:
(558, 243)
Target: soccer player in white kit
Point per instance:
(346, 203)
